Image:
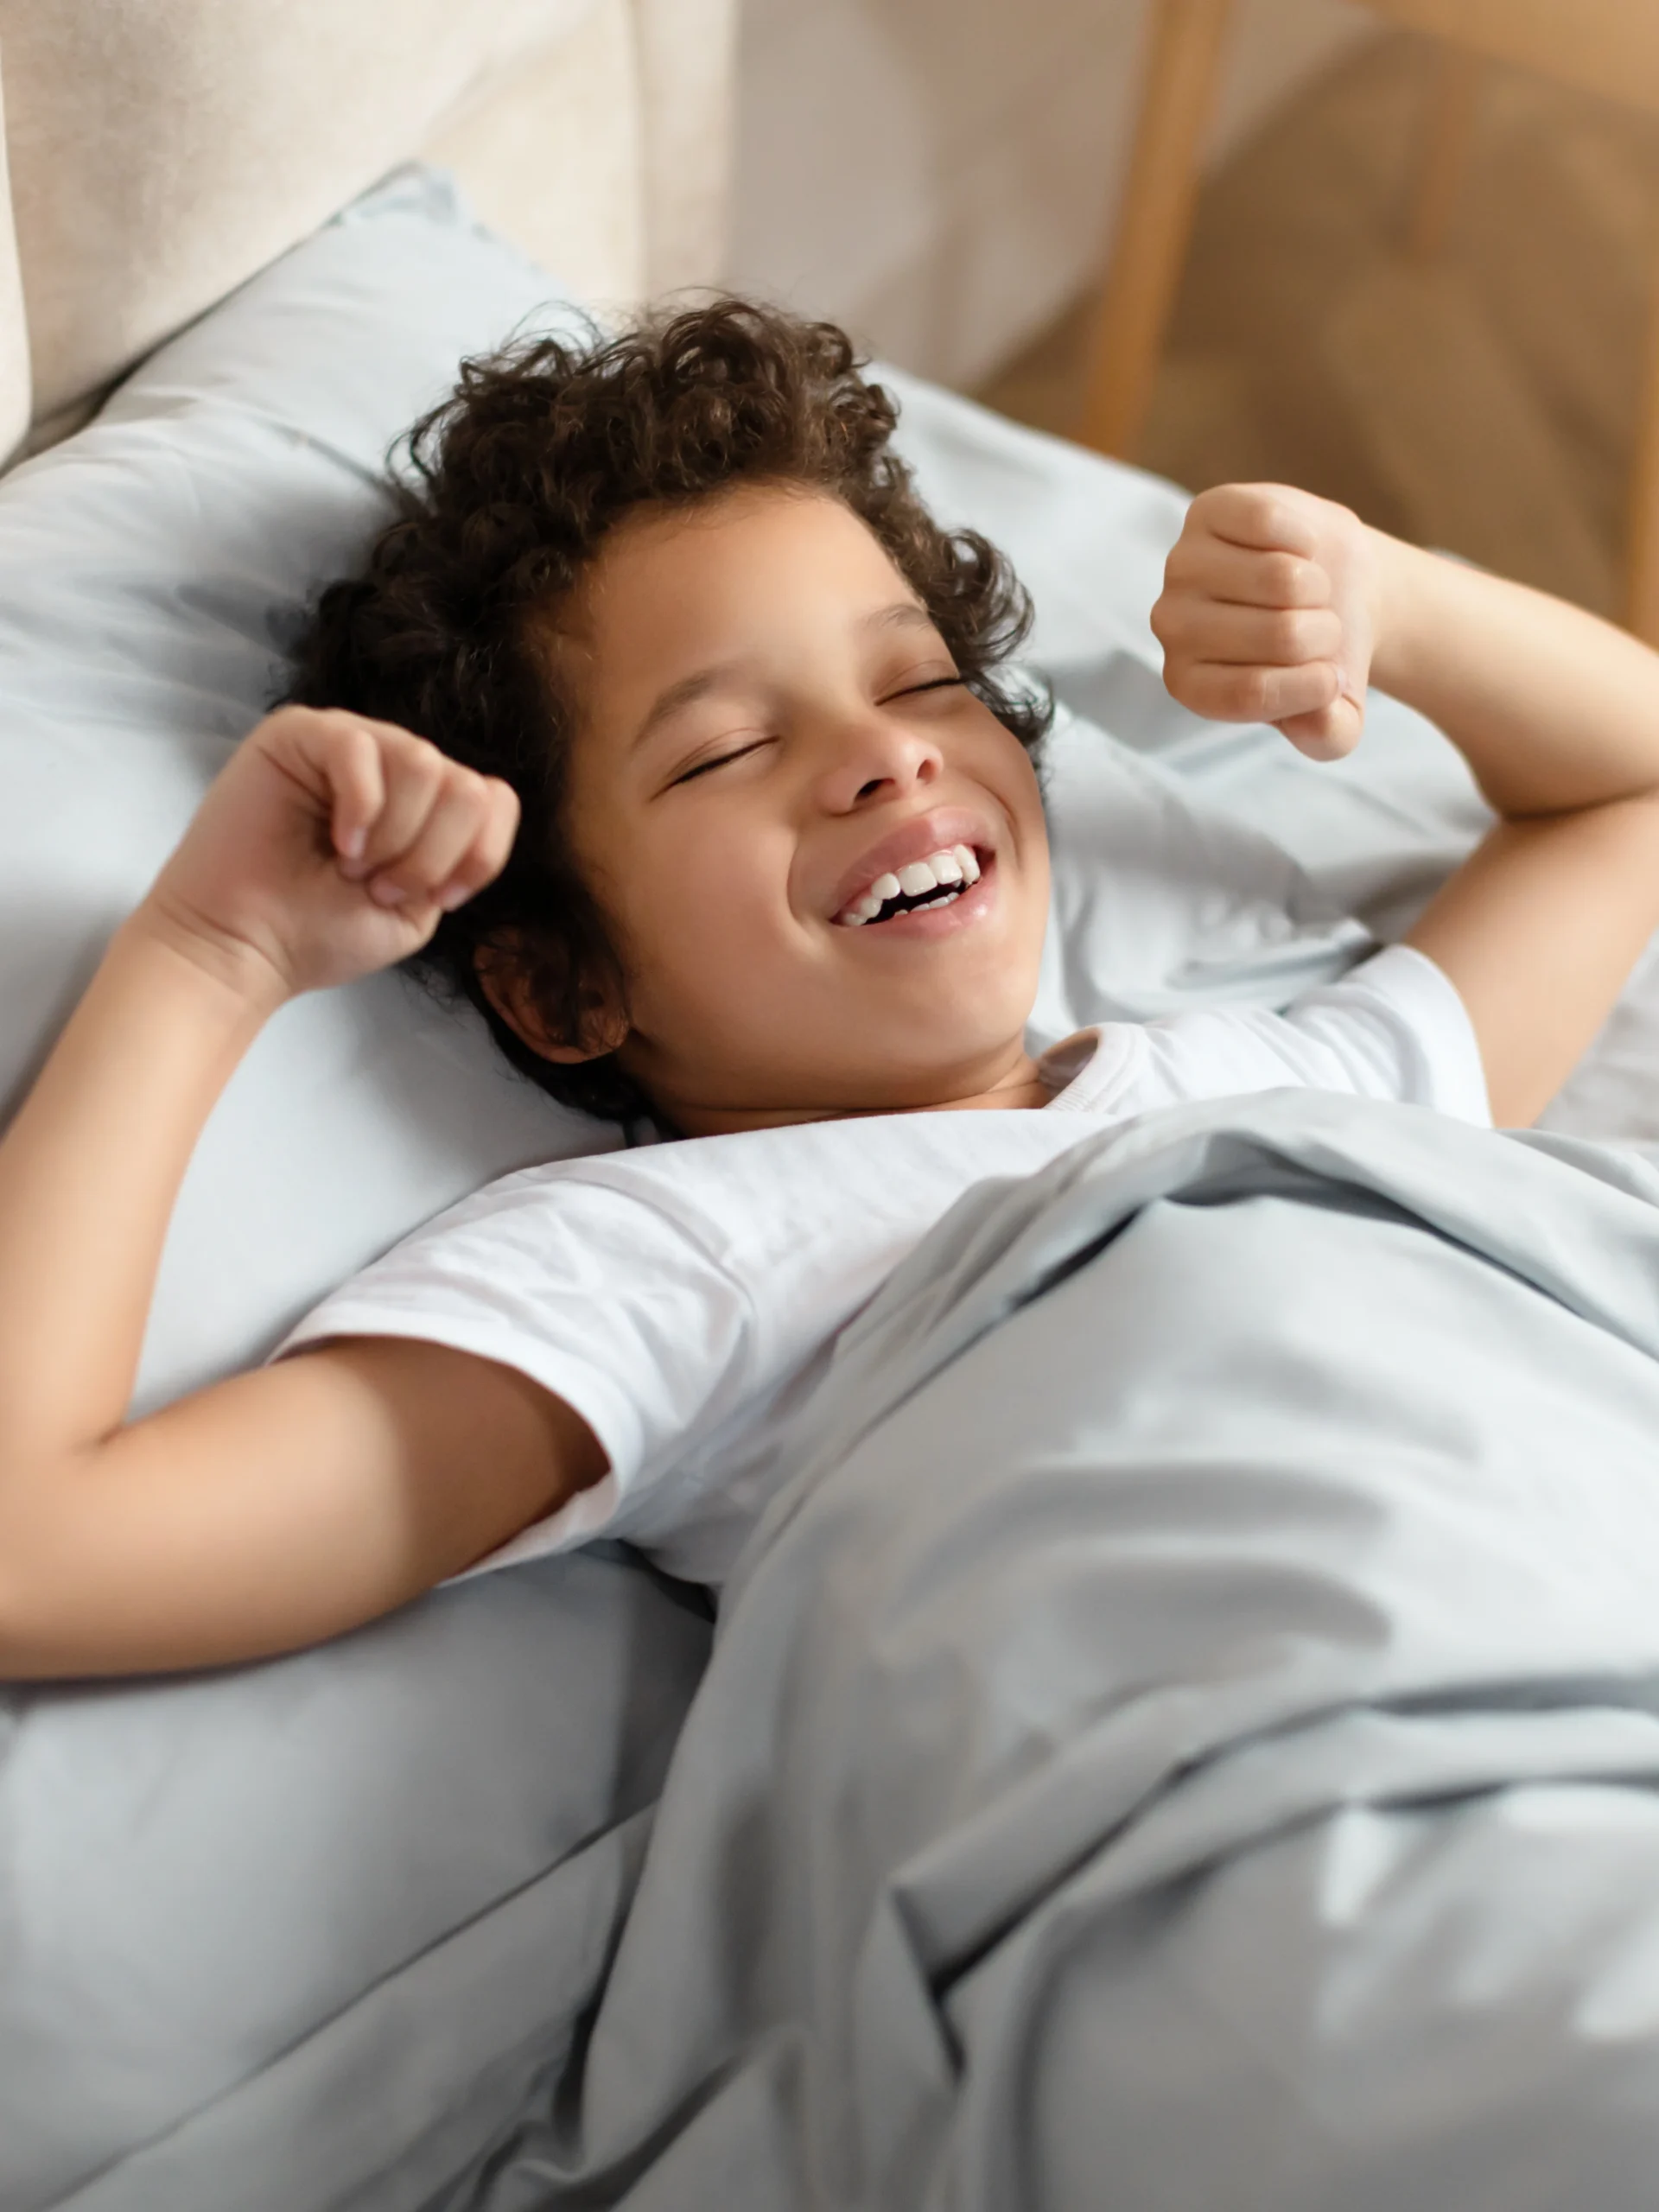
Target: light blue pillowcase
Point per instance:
(153, 568)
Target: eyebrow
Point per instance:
(904, 613)
(679, 696)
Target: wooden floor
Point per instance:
(1484, 402)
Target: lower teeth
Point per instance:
(947, 898)
(926, 906)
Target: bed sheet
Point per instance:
(302, 1935)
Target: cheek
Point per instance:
(1036, 851)
(706, 913)
(1005, 768)
(1034, 832)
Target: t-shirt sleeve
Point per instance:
(594, 1293)
(1392, 1028)
(1399, 1022)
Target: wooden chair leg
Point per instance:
(1447, 140)
(1641, 586)
(1156, 222)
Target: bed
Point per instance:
(920, 1890)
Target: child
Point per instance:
(735, 826)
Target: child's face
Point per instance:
(769, 726)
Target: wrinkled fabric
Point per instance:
(1189, 1732)
(303, 1935)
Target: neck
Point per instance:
(1016, 1085)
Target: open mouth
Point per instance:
(939, 881)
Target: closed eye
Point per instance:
(720, 760)
(740, 752)
(933, 684)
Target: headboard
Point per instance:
(160, 151)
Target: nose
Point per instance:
(869, 759)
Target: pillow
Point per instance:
(155, 565)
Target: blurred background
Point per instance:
(944, 176)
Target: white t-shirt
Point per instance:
(685, 1298)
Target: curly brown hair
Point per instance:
(506, 497)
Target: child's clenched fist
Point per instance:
(327, 847)
(1269, 614)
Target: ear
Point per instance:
(507, 977)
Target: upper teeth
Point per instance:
(953, 867)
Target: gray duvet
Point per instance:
(1187, 1736)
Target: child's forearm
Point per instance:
(89, 1173)
(1553, 710)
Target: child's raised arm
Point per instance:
(283, 1505)
(1279, 607)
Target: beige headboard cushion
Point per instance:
(160, 151)
(14, 393)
